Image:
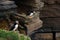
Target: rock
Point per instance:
(34, 24)
(7, 8)
(50, 15)
(32, 4)
(6, 5)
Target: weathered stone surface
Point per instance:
(32, 4)
(6, 5)
(50, 11)
(50, 15)
(25, 6)
(42, 36)
(51, 1)
(7, 8)
(34, 25)
(35, 5)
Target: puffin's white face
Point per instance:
(17, 21)
(32, 13)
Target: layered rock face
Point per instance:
(7, 8)
(25, 7)
(30, 3)
(50, 14)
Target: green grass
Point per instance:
(3, 39)
(11, 35)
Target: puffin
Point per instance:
(31, 15)
(14, 26)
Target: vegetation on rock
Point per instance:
(12, 35)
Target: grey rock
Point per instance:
(7, 5)
(7, 8)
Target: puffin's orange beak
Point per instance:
(30, 17)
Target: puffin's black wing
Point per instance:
(12, 27)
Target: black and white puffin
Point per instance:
(32, 13)
(14, 26)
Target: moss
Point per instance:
(8, 34)
(11, 35)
